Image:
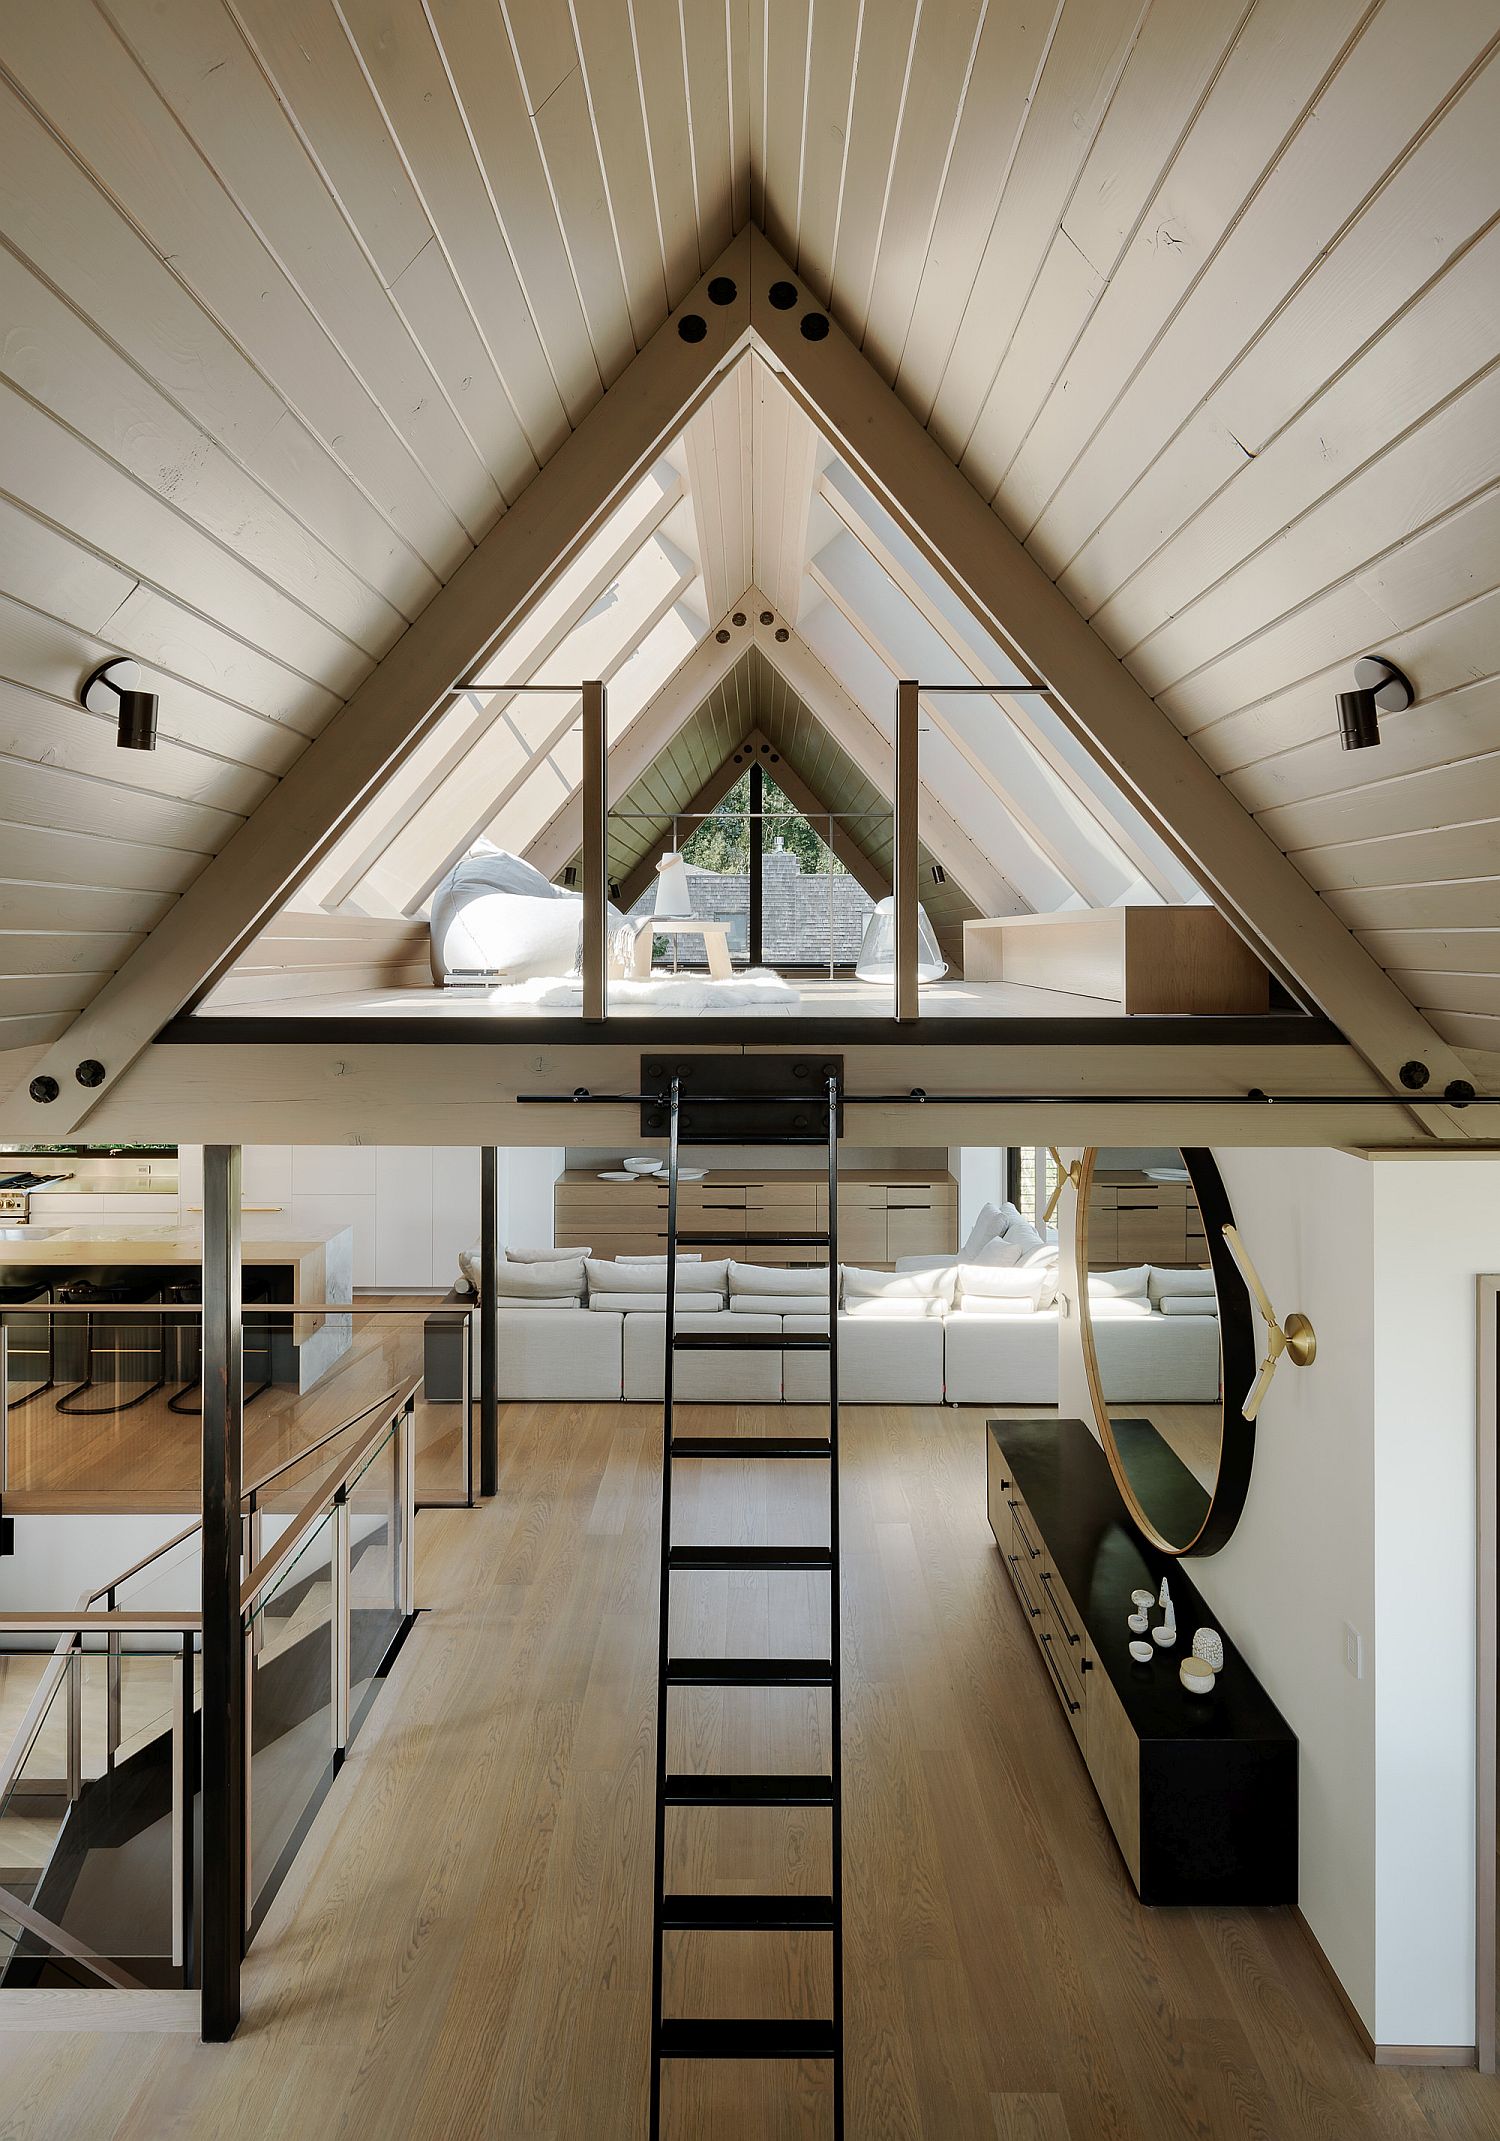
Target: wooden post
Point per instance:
(905, 874)
(489, 1366)
(223, 1644)
(595, 851)
(753, 941)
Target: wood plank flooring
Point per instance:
(464, 1949)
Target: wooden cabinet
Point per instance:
(883, 1213)
(1200, 1790)
(1133, 1220)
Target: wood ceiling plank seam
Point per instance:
(68, 366)
(1454, 992)
(944, 44)
(1330, 168)
(1168, 78)
(1247, 122)
(210, 81)
(606, 57)
(1431, 346)
(1417, 581)
(60, 952)
(49, 731)
(217, 261)
(18, 1033)
(1406, 802)
(41, 651)
(1466, 850)
(408, 78)
(706, 65)
(102, 862)
(737, 31)
(1450, 951)
(758, 93)
(1244, 871)
(832, 74)
(1445, 463)
(1439, 731)
(32, 993)
(43, 908)
(81, 803)
(62, 478)
(786, 35)
(882, 83)
(1463, 903)
(1019, 813)
(656, 35)
(1462, 653)
(1113, 823)
(1015, 39)
(1083, 62)
(374, 833)
(565, 137)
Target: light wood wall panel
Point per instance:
(299, 299)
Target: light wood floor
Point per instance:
(466, 1951)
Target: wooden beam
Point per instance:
(908, 693)
(330, 1089)
(1102, 703)
(595, 855)
(521, 556)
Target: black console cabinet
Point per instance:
(1200, 1790)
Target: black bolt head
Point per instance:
(43, 1089)
(90, 1071)
(1414, 1076)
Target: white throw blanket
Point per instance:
(683, 992)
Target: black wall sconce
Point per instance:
(1378, 684)
(114, 688)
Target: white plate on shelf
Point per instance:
(1166, 1174)
(618, 1174)
(690, 1174)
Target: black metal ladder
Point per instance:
(682, 2037)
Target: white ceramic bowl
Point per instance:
(642, 1167)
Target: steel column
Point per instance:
(754, 950)
(595, 852)
(489, 1336)
(904, 883)
(224, 1709)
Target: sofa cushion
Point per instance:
(774, 1279)
(703, 1378)
(1188, 1305)
(508, 1304)
(988, 1226)
(539, 1282)
(1021, 1234)
(863, 1285)
(1119, 1285)
(688, 1303)
(1118, 1308)
(659, 1256)
(469, 1260)
(999, 1282)
(896, 1308)
(605, 1275)
(997, 1305)
(1196, 1279)
(883, 1360)
(809, 1304)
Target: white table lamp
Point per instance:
(672, 894)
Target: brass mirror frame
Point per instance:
(1237, 1359)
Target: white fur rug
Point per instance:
(682, 992)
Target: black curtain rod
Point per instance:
(918, 1096)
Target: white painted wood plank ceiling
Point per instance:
(298, 298)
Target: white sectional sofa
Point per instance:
(933, 1331)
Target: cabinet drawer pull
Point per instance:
(1015, 1570)
(1062, 1619)
(1057, 1678)
(1022, 1533)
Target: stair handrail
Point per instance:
(320, 1501)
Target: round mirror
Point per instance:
(1168, 1340)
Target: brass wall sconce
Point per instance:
(1071, 1172)
(1292, 1335)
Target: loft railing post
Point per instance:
(339, 1621)
(75, 1721)
(407, 1597)
(225, 1724)
(182, 1810)
(111, 1686)
(904, 884)
(595, 851)
(466, 1392)
(489, 1334)
(5, 1404)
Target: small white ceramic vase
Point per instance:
(1166, 1635)
(1208, 1645)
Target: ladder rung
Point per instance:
(749, 1342)
(747, 1914)
(750, 1557)
(681, 2039)
(759, 1790)
(750, 1672)
(760, 1241)
(751, 1446)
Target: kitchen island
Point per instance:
(313, 1264)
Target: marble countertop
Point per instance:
(146, 1242)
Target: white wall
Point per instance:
(1361, 1512)
(981, 1180)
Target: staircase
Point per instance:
(682, 2037)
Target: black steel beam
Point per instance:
(489, 1366)
(223, 1643)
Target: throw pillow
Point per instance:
(861, 1285)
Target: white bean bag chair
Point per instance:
(493, 913)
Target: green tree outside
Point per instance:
(722, 841)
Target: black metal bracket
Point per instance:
(741, 1100)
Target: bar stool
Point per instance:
(255, 1343)
(21, 1288)
(100, 1291)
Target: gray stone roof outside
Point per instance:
(795, 913)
